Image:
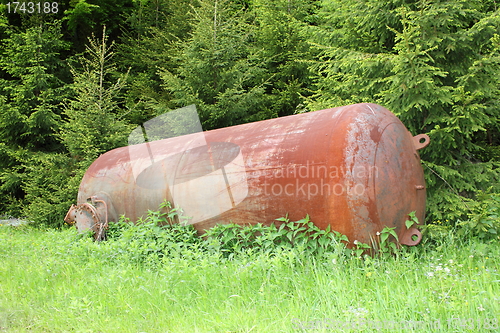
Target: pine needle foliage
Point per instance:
(93, 123)
(240, 63)
(433, 63)
(90, 127)
(31, 89)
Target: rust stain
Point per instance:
(355, 168)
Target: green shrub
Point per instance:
(159, 236)
(302, 234)
(152, 238)
(51, 185)
(484, 218)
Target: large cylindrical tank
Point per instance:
(355, 168)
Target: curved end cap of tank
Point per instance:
(411, 237)
(421, 141)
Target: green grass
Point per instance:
(57, 281)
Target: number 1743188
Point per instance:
(33, 7)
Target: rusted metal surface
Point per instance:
(355, 168)
(92, 214)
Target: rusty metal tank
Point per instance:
(354, 168)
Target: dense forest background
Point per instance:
(74, 82)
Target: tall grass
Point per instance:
(59, 281)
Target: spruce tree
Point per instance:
(90, 125)
(217, 69)
(281, 39)
(31, 90)
(147, 45)
(93, 117)
(435, 65)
